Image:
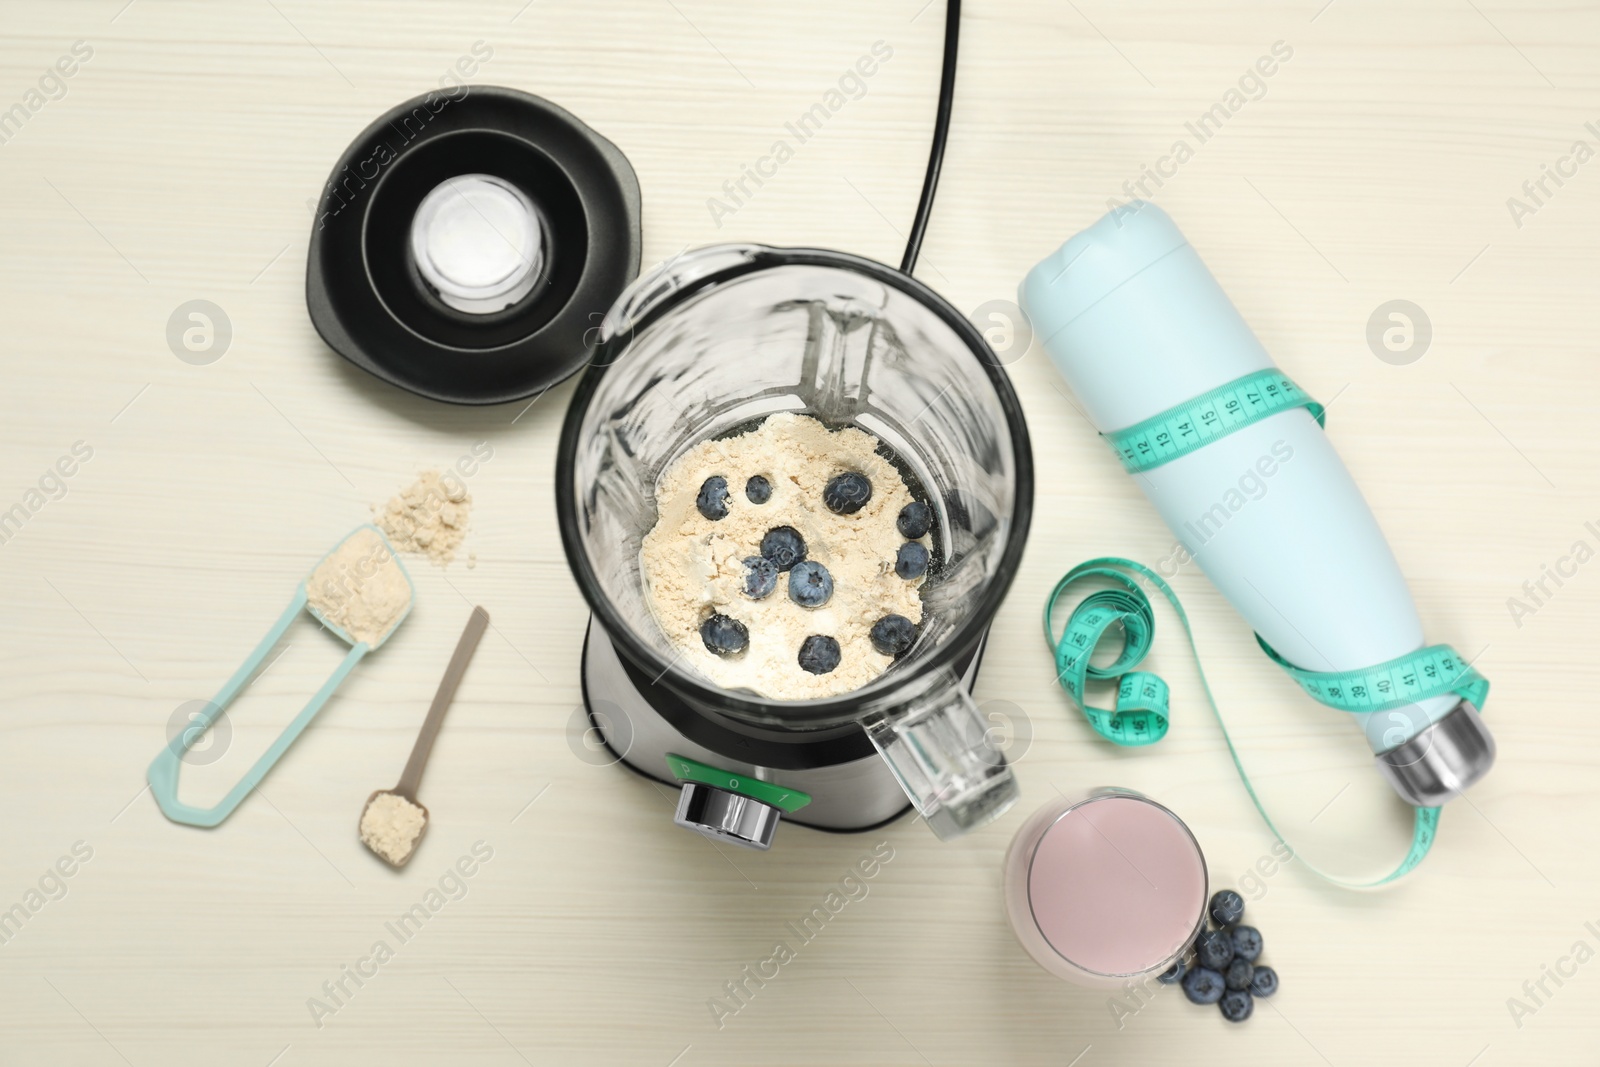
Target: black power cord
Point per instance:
(941, 132)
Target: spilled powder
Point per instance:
(360, 587)
(391, 825)
(428, 517)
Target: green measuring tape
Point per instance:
(1140, 716)
(1401, 681)
(1197, 422)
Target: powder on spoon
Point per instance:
(360, 587)
(391, 825)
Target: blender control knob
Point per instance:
(724, 816)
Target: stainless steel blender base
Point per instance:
(846, 797)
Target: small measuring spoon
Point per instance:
(400, 851)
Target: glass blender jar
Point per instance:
(709, 344)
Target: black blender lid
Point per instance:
(553, 195)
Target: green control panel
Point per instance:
(781, 797)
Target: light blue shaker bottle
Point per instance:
(1137, 325)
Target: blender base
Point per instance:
(851, 797)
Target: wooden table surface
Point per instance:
(179, 161)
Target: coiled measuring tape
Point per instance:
(1200, 420)
(1141, 716)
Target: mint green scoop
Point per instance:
(164, 769)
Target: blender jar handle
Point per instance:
(937, 744)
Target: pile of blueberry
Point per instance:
(1224, 970)
(783, 550)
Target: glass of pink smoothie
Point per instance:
(1105, 887)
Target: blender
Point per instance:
(706, 346)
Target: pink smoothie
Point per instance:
(1116, 885)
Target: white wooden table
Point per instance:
(177, 163)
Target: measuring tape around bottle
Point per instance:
(1141, 717)
(1200, 420)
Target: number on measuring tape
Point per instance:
(1197, 422)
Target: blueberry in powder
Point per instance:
(723, 635)
(713, 499)
(893, 634)
(784, 546)
(819, 654)
(847, 493)
(758, 490)
(810, 585)
(911, 561)
(760, 577)
(916, 518)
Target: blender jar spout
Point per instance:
(938, 746)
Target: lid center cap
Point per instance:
(477, 240)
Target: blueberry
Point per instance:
(810, 585)
(758, 490)
(1214, 949)
(847, 493)
(1227, 907)
(723, 635)
(914, 521)
(784, 546)
(1237, 1006)
(1203, 986)
(911, 561)
(819, 654)
(893, 634)
(1174, 973)
(760, 577)
(713, 499)
(1240, 974)
(1246, 942)
(1265, 982)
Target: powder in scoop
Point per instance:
(428, 516)
(360, 587)
(391, 825)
